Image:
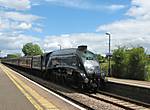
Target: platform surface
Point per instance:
(17, 93)
(10, 96)
(145, 84)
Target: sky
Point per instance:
(70, 23)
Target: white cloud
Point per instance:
(95, 42)
(37, 29)
(83, 4)
(132, 31)
(16, 4)
(4, 24)
(24, 26)
(140, 8)
(14, 23)
(116, 7)
(15, 20)
(16, 16)
(13, 42)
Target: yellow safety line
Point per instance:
(36, 105)
(39, 98)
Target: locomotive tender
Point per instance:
(75, 66)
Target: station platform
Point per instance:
(19, 93)
(144, 84)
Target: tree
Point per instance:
(31, 49)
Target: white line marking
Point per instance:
(75, 105)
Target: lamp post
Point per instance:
(109, 35)
(59, 46)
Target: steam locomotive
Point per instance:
(74, 66)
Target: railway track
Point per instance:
(130, 101)
(100, 96)
(119, 101)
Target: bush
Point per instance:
(104, 67)
(148, 72)
(130, 63)
(101, 59)
(137, 64)
(118, 68)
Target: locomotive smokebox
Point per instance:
(82, 47)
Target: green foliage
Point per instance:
(0, 53)
(130, 63)
(104, 67)
(120, 63)
(30, 49)
(137, 64)
(148, 72)
(148, 67)
(101, 59)
(103, 63)
(17, 55)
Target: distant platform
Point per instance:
(144, 84)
